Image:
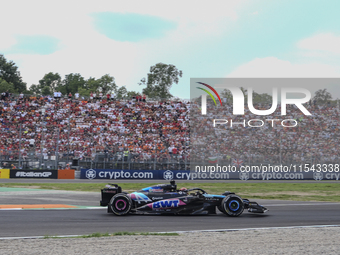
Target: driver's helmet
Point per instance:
(183, 189)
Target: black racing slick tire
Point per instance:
(219, 207)
(109, 210)
(120, 204)
(232, 205)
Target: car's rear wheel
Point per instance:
(120, 204)
(232, 205)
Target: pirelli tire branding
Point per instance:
(47, 174)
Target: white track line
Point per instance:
(37, 237)
(247, 229)
(102, 207)
(30, 209)
(10, 209)
(180, 232)
(319, 203)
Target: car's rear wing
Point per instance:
(108, 192)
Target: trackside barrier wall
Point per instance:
(187, 175)
(4, 173)
(165, 175)
(41, 174)
(66, 174)
(123, 174)
(45, 174)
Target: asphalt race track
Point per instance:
(52, 222)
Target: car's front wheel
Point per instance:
(232, 205)
(120, 204)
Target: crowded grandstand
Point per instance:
(45, 130)
(139, 133)
(299, 139)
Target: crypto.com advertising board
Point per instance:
(264, 125)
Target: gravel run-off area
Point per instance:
(325, 240)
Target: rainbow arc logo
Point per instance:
(209, 93)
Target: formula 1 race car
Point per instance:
(166, 199)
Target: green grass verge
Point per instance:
(317, 191)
